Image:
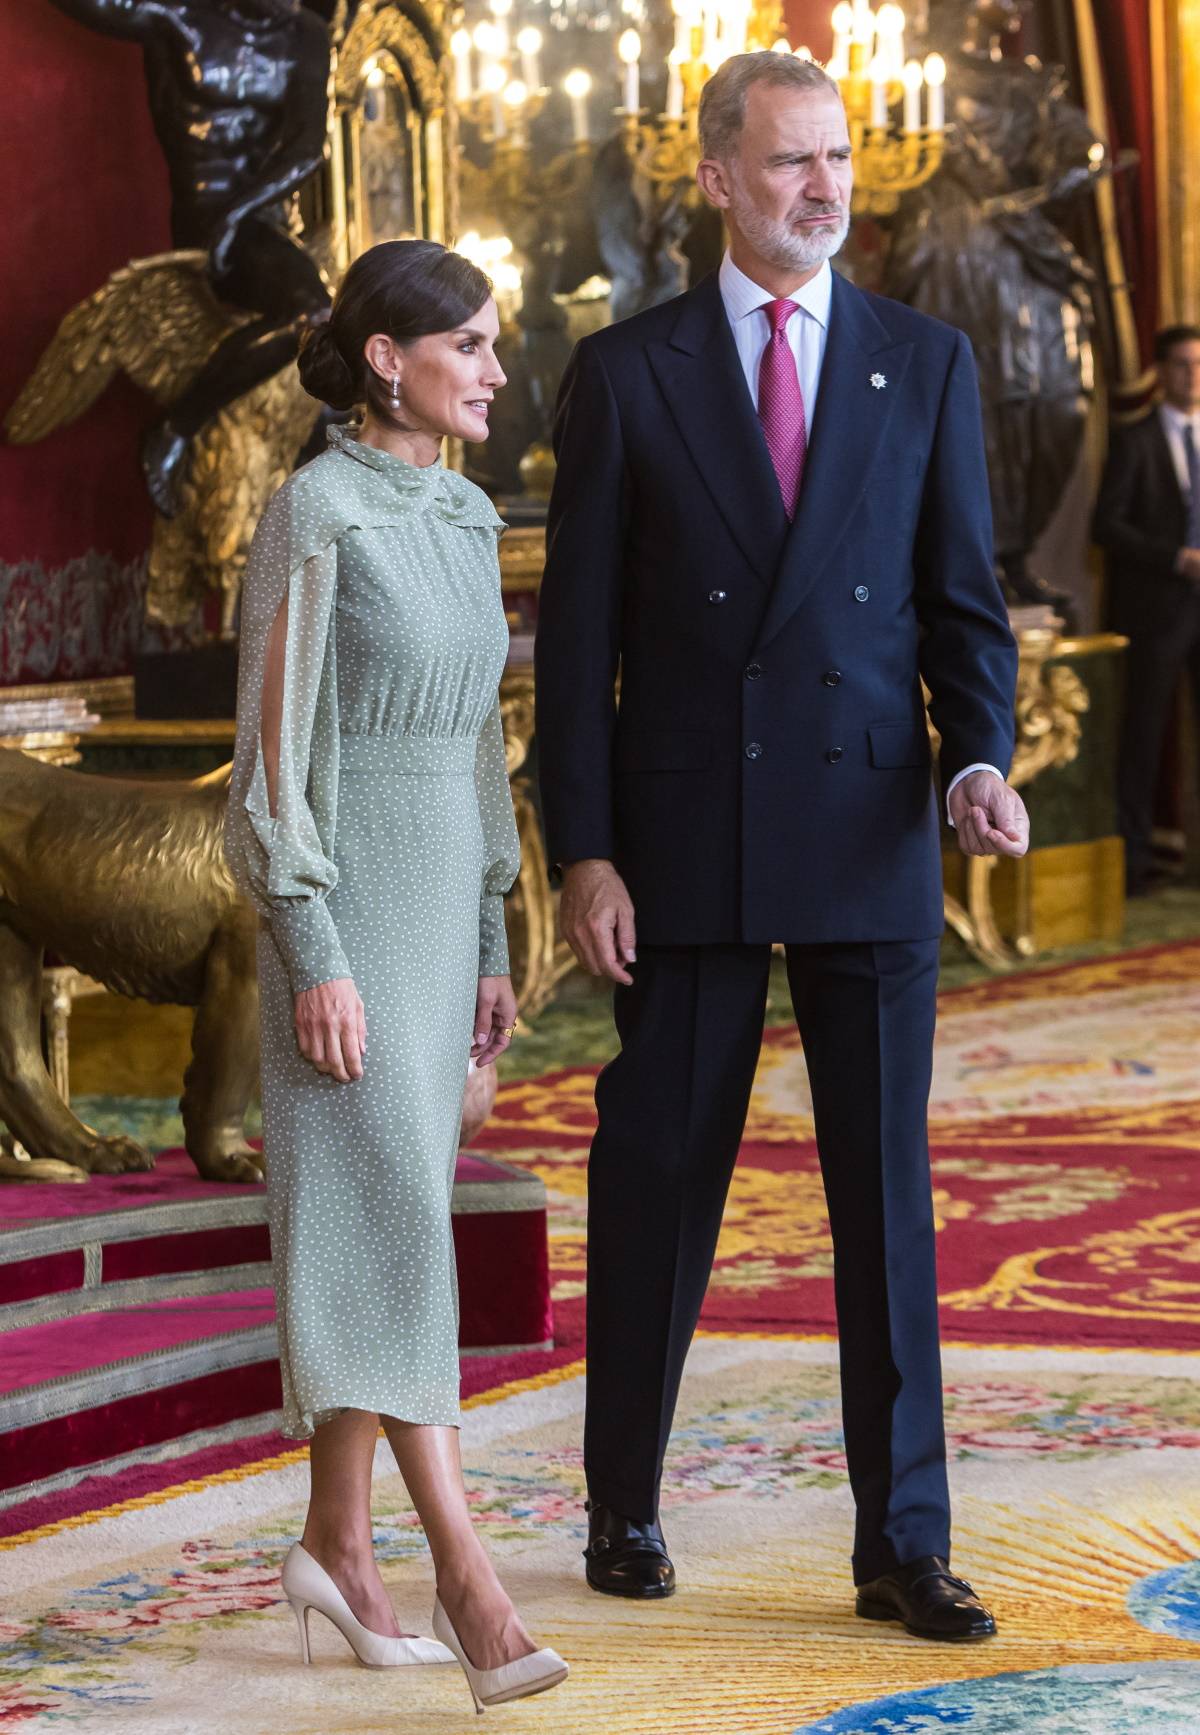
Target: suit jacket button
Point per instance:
(717, 595)
(754, 672)
(861, 593)
(754, 750)
(831, 677)
(833, 755)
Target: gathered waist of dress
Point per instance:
(411, 755)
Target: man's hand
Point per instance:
(495, 1019)
(1187, 563)
(331, 1029)
(990, 818)
(596, 918)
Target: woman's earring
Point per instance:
(395, 391)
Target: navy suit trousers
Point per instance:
(672, 1109)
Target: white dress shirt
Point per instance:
(1173, 424)
(807, 331)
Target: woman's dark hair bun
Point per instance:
(324, 371)
(405, 289)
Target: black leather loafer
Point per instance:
(624, 1558)
(929, 1600)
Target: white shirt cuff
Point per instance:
(966, 772)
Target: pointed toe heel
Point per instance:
(308, 1586)
(536, 1673)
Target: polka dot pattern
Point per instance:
(387, 859)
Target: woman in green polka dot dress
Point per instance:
(370, 823)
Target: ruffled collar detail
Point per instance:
(452, 496)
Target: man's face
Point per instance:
(1180, 375)
(786, 191)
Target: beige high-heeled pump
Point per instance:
(307, 1585)
(535, 1673)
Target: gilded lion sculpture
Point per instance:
(127, 881)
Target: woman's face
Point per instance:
(448, 379)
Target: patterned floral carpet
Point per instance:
(1066, 1131)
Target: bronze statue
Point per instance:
(127, 882)
(238, 93)
(158, 321)
(979, 247)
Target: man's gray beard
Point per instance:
(781, 245)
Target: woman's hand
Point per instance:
(495, 1019)
(331, 1029)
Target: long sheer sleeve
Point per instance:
(502, 849)
(279, 831)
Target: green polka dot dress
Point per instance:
(392, 845)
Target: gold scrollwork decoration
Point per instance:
(1051, 699)
(378, 29)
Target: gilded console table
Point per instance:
(1070, 887)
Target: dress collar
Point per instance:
(742, 296)
(424, 486)
(341, 435)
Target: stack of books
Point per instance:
(19, 717)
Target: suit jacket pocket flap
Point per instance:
(664, 750)
(897, 744)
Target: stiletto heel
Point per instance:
(307, 1586)
(535, 1673)
(300, 1610)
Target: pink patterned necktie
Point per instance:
(781, 405)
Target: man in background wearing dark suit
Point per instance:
(771, 517)
(1148, 523)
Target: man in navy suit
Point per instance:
(770, 520)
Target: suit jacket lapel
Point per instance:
(851, 420)
(702, 380)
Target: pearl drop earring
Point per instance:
(395, 391)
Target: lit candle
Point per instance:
(781, 46)
(515, 93)
(935, 78)
(864, 23)
(500, 12)
(675, 84)
(889, 23)
(460, 48)
(487, 43)
(493, 84)
(629, 48)
(712, 24)
(684, 17)
(804, 52)
(529, 42)
(843, 26)
(577, 84)
(877, 73)
(913, 78)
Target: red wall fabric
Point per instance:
(807, 22)
(1123, 29)
(84, 189)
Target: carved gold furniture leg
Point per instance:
(540, 961)
(61, 987)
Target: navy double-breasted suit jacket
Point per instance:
(766, 775)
